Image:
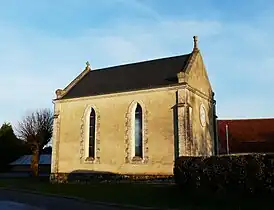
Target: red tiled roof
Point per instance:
(247, 135)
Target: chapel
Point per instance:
(135, 118)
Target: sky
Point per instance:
(45, 44)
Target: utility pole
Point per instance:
(227, 144)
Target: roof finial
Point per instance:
(195, 38)
(88, 65)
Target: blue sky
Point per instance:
(45, 44)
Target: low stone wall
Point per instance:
(88, 178)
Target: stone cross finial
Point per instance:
(195, 38)
(87, 65)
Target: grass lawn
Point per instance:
(138, 194)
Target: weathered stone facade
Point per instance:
(171, 122)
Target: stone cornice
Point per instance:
(171, 87)
(184, 105)
(201, 94)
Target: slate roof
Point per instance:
(247, 135)
(45, 159)
(129, 77)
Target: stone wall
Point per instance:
(113, 133)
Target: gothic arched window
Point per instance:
(91, 144)
(138, 125)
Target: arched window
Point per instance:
(138, 131)
(91, 145)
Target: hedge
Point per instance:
(251, 173)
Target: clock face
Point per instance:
(202, 115)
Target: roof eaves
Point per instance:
(122, 92)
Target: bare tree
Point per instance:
(36, 129)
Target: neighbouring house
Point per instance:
(135, 118)
(246, 136)
(21, 166)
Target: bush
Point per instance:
(253, 173)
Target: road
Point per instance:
(13, 200)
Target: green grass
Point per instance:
(136, 194)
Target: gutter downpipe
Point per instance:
(215, 127)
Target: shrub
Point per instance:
(228, 173)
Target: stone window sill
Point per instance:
(138, 160)
(91, 160)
